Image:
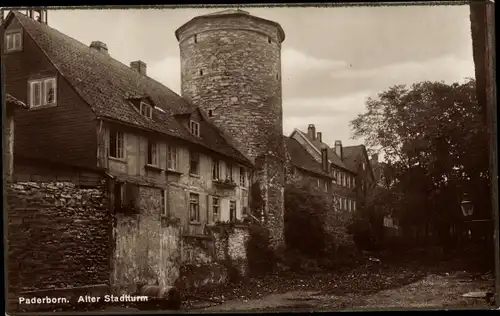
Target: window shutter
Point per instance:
(188, 206)
(238, 210)
(224, 209)
(210, 208)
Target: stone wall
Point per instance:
(58, 236)
(231, 68)
(272, 180)
(215, 259)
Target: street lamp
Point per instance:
(467, 206)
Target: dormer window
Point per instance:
(13, 41)
(194, 127)
(42, 92)
(146, 110)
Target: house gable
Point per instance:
(105, 83)
(62, 132)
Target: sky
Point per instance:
(333, 58)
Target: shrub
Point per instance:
(305, 212)
(260, 256)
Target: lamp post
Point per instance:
(467, 210)
(467, 206)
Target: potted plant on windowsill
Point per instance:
(228, 183)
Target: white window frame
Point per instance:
(363, 165)
(146, 110)
(154, 153)
(120, 145)
(15, 38)
(42, 92)
(354, 205)
(215, 206)
(194, 199)
(163, 197)
(172, 158)
(194, 127)
(325, 185)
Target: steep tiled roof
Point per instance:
(331, 152)
(352, 155)
(10, 100)
(301, 158)
(106, 85)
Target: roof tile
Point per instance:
(107, 85)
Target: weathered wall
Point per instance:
(270, 174)
(147, 246)
(58, 235)
(213, 260)
(179, 183)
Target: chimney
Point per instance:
(139, 66)
(375, 158)
(39, 15)
(318, 136)
(311, 131)
(99, 46)
(324, 159)
(338, 149)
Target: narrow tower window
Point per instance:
(196, 38)
(201, 72)
(269, 40)
(210, 113)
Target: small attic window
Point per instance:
(146, 110)
(196, 38)
(201, 72)
(210, 113)
(194, 127)
(13, 41)
(269, 39)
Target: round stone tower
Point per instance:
(231, 69)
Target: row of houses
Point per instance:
(90, 111)
(75, 114)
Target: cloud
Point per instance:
(326, 106)
(331, 115)
(295, 62)
(448, 69)
(168, 72)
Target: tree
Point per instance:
(434, 140)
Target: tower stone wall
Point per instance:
(231, 69)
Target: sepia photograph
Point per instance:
(250, 158)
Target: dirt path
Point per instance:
(434, 291)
